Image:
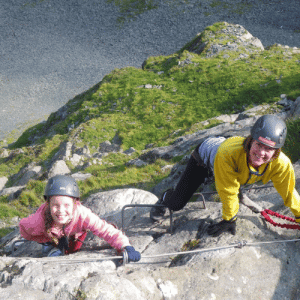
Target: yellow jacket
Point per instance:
(231, 171)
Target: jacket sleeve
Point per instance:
(284, 182)
(227, 185)
(104, 230)
(32, 228)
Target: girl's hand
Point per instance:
(133, 255)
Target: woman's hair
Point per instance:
(248, 143)
(49, 219)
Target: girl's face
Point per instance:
(260, 154)
(61, 208)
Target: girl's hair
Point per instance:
(49, 220)
(248, 143)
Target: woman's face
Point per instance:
(61, 208)
(260, 154)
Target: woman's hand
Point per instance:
(223, 226)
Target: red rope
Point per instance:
(265, 213)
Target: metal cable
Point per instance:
(125, 256)
(83, 260)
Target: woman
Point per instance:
(235, 162)
(62, 222)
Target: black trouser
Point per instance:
(193, 176)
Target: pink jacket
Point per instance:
(33, 227)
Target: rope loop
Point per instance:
(265, 213)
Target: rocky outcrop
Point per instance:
(59, 168)
(259, 262)
(13, 192)
(295, 109)
(31, 171)
(221, 269)
(3, 181)
(227, 39)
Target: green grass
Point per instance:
(292, 144)
(8, 210)
(108, 177)
(33, 194)
(187, 95)
(129, 9)
(5, 231)
(181, 97)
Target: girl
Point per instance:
(236, 161)
(61, 223)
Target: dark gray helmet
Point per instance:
(62, 185)
(269, 130)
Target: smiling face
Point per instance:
(61, 208)
(260, 154)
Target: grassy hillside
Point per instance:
(168, 98)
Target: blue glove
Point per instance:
(133, 255)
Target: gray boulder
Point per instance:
(295, 111)
(107, 147)
(108, 286)
(81, 176)
(3, 181)
(75, 159)
(129, 151)
(13, 192)
(64, 152)
(30, 172)
(84, 151)
(4, 153)
(136, 162)
(239, 40)
(108, 205)
(59, 168)
(99, 155)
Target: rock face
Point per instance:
(221, 271)
(260, 262)
(3, 181)
(59, 168)
(227, 38)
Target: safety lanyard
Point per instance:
(253, 173)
